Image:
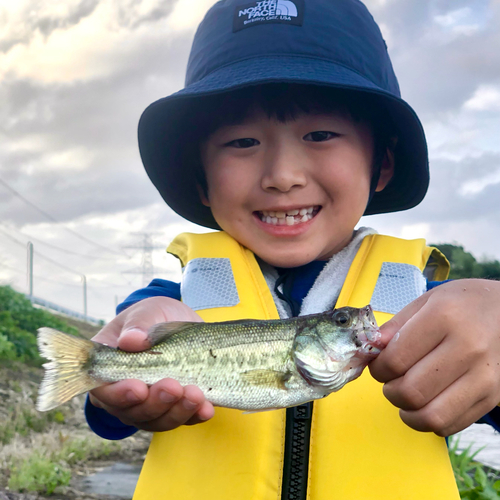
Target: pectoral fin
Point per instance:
(267, 378)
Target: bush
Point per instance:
(474, 481)
(44, 472)
(464, 264)
(7, 348)
(19, 322)
(39, 474)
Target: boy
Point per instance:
(290, 128)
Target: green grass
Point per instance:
(474, 481)
(40, 474)
(22, 420)
(44, 472)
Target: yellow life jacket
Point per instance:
(359, 447)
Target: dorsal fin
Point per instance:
(162, 331)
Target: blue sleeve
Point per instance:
(157, 288)
(493, 417)
(99, 420)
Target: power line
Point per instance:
(55, 247)
(38, 254)
(49, 217)
(15, 240)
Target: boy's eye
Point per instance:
(243, 143)
(319, 136)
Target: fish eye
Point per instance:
(342, 319)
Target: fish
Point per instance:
(251, 365)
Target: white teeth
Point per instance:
(289, 218)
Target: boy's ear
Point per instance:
(203, 195)
(387, 167)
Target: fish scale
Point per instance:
(245, 364)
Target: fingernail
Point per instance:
(396, 337)
(189, 405)
(132, 397)
(166, 397)
(136, 332)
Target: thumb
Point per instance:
(129, 330)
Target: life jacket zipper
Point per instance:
(296, 455)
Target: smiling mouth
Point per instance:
(288, 218)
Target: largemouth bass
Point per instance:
(246, 364)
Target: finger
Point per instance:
(460, 405)
(163, 395)
(390, 328)
(142, 316)
(428, 378)
(415, 339)
(179, 414)
(467, 418)
(120, 395)
(110, 333)
(206, 412)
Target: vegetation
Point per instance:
(22, 420)
(44, 472)
(19, 322)
(475, 482)
(465, 265)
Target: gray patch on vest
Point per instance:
(208, 283)
(397, 286)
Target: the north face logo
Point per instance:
(269, 11)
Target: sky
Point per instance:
(75, 76)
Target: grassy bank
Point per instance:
(41, 453)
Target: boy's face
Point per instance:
(291, 192)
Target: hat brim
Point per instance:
(159, 138)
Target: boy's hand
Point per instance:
(441, 365)
(166, 404)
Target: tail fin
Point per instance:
(66, 375)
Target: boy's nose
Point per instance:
(283, 172)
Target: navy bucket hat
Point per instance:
(242, 43)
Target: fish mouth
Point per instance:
(290, 217)
(369, 336)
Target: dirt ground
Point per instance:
(18, 390)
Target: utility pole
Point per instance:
(30, 269)
(84, 279)
(30, 279)
(147, 268)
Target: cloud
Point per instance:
(22, 22)
(75, 75)
(485, 98)
(442, 50)
(73, 46)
